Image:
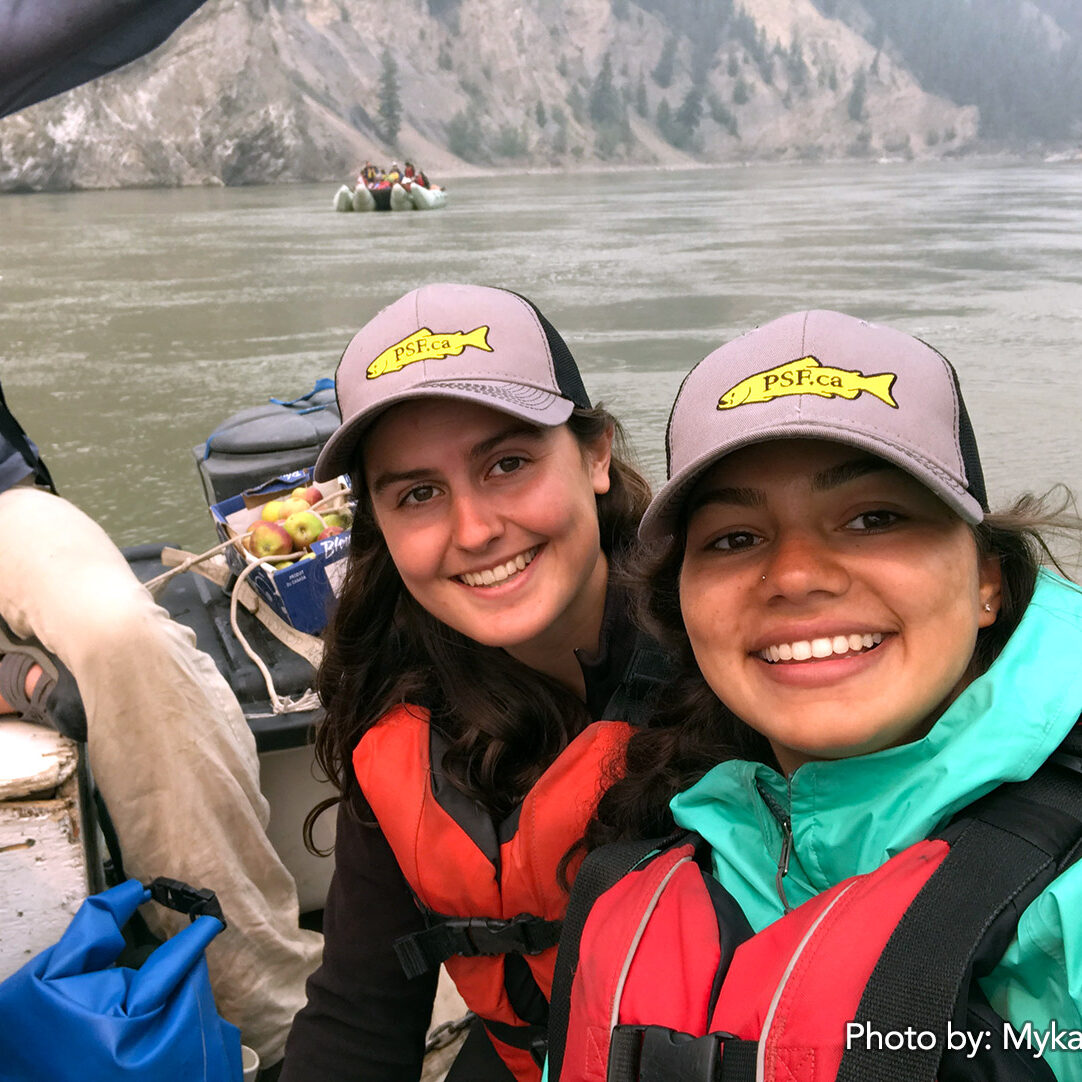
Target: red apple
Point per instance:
(269, 539)
(312, 494)
(330, 531)
(304, 527)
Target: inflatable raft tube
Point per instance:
(400, 198)
(343, 199)
(363, 199)
(427, 198)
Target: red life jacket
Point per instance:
(502, 878)
(660, 977)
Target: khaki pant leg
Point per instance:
(170, 751)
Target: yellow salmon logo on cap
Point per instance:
(808, 376)
(424, 345)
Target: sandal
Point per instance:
(55, 701)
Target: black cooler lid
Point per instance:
(262, 442)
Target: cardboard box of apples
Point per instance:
(305, 524)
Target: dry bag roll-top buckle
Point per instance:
(178, 896)
(657, 1054)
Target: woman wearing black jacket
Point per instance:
(475, 652)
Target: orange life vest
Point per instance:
(461, 864)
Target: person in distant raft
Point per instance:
(84, 649)
(480, 676)
(872, 731)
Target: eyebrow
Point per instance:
(738, 497)
(824, 481)
(845, 472)
(518, 430)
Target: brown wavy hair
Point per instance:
(694, 730)
(503, 731)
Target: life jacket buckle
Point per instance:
(658, 1054)
(524, 934)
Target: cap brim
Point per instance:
(530, 404)
(661, 517)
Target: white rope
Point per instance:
(280, 704)
(309, 700)
(158, 583)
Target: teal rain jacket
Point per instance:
(850, 815)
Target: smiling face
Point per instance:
(492, 524)
(831, 600)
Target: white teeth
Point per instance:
(804, 649)
(491, 575)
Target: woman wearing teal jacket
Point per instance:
(866, 649)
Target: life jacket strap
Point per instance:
(1010, 845)
(530, 1038)
(601, 869)
(470, 937)
(657, 1054)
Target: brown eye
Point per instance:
(871, 521)
(419, 494)
(735, 541)
(508, 464)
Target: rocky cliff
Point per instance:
(255, 91)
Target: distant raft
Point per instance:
(396, 197)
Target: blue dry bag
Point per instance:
(72, 1014)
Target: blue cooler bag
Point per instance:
(72, 1014)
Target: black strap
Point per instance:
(1009, 847)
(115, 872)
(600, 870)
(647, 672)
(471, 937)
(528, 1038)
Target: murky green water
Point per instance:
(132, 323)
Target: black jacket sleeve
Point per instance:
(364, 1019)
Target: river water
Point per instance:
(133, 322)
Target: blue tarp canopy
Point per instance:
(49, 46)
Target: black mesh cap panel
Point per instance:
(967, 443)
(568, 378)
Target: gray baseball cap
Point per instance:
(472, 343)
(823, 375)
